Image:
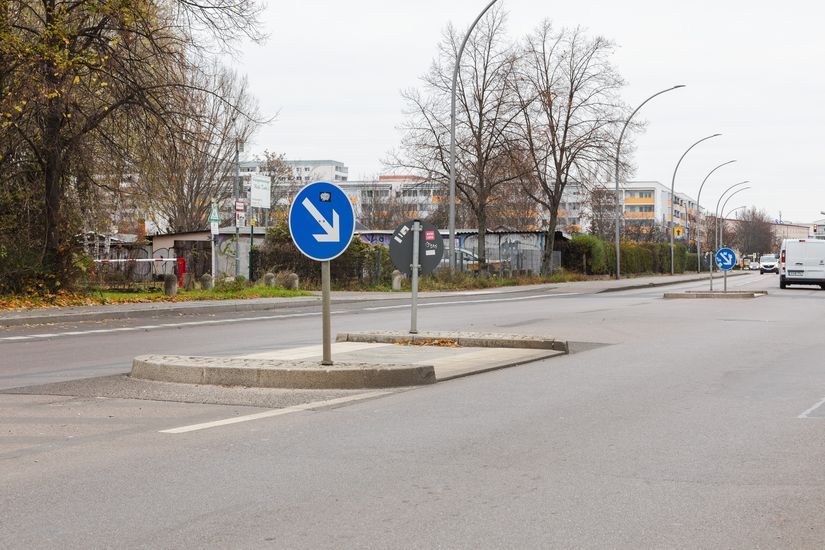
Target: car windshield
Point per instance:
(768, 258)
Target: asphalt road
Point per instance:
(674, 424)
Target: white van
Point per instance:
(802, 262)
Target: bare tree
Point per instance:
(184, 166)
(80, 69)
(485, 111)
(284, 184)
(382, 207)
(568, 94)
(599, 207)
(752, 232)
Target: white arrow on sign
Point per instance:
(332, 232)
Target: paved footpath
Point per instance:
(158, 309)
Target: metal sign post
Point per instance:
(416, 248)
(322, 223)
(214, 220)
(415, 267)
(326, 328)
(725, 259)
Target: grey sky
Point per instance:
(754, 69)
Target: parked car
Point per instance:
(468, 260)
(802, 262)
(768, 263)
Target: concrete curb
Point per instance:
(718, 294)
(463, 339)
(267, 373)
(663, 283)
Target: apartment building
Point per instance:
(305, 171)
(644, 203)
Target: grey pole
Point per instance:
(698, 212)
(213, 239)
(716, 228)
(618, 198)
(724, 204)
(414, 267)
(452, 135)
(326, 328)
(234, 209)
(673, 199)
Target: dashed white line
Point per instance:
(275, 412)
(812, 409)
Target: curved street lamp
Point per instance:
(698, 212)
(618, 199)
(724, 204)
(673, 198)
(452, 134)
(716, 228)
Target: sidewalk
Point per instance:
(172, 309)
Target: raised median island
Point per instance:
(271, 373)
(362, 360)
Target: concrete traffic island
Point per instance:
(719, 294)
(361, 360)
(270, 373)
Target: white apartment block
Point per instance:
(306, 171)
(417, 197)
(642, 201)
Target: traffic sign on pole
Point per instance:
(725, 259)
(321, 221)
(431, 247)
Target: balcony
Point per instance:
(638, 200)
(639, 215)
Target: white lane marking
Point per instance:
(458, 302)
(812, 409)
(275, 412)
(165, 325)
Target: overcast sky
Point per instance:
(333, 71)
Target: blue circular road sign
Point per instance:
(725, 259)
(321, 221)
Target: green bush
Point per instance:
(586, 253)
(640, 258)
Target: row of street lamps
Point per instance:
(619, 205)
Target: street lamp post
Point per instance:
(452, 134)
(698, 212)
(673, 199)
(237, 193)
(618, 198)
(716, 228)
(724, 204)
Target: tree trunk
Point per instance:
(549, 244)
(482, 241)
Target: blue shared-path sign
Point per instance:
(725, 259)
(321, 221)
